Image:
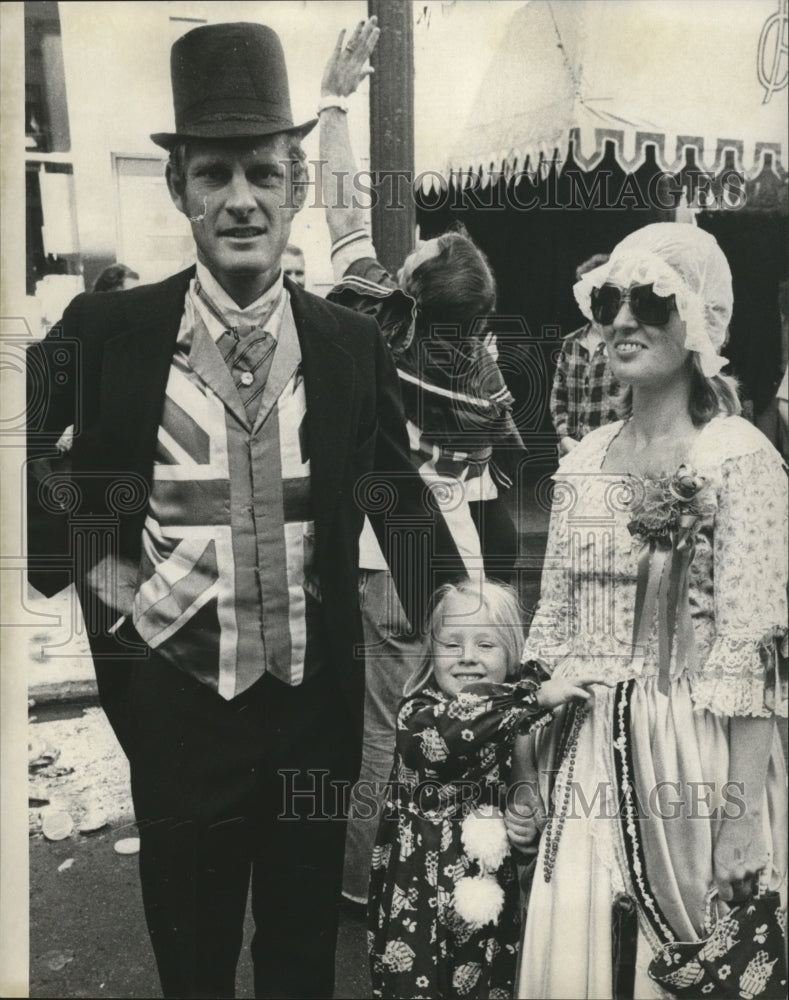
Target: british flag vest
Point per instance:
(227, 588)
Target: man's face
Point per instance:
(293, 266)
(238, 201)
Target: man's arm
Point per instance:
(559, 396)
(412, 533)
(52, 365)
(344, 72)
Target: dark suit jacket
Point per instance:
(105, 367)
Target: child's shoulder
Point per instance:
(426, 695)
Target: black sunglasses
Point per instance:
(646, 306)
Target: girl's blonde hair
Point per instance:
(504, 612)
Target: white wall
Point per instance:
(116, 60)
(116, 63)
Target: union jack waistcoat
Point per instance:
(227, 588)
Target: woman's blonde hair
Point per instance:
(504, 612)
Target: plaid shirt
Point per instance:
(585, 393)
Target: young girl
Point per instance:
(444, 897)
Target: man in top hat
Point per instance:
(231, 431)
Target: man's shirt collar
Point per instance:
(264, 311)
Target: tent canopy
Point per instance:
(677, 75)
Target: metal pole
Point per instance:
(392, 132)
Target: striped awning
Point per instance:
(681, 81)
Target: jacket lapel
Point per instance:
(287, 358)
(329, 378)
(136, 368)
(206, 360)
(137, 365)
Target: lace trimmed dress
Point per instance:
(450, 752)
(655, 844)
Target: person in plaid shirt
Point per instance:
(584, 393)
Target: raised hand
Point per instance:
(347, 67)
(491, 346)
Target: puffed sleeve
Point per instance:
(745, 671)
(445, 737)
(365, 286)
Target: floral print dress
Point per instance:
(451, 753)
(638, 799)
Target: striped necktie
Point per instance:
(248, 354)
(247, 351)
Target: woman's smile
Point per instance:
(627, 348)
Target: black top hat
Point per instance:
(229, 82)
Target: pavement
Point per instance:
(87, 931)
(59, 665)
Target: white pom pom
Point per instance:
(479, 900)
(485, 837)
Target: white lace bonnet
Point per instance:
(678, 259)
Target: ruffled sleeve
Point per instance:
(366, 287)
(745, 671)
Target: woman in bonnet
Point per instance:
(666, 563)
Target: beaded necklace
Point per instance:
(568, 748)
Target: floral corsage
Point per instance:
(665, 521)
(667, 503)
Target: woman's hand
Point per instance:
(346, 67)
(740, 852)
(558, 690)
(739, 855)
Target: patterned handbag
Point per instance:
(744, 955)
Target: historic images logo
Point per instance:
(772, 57)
